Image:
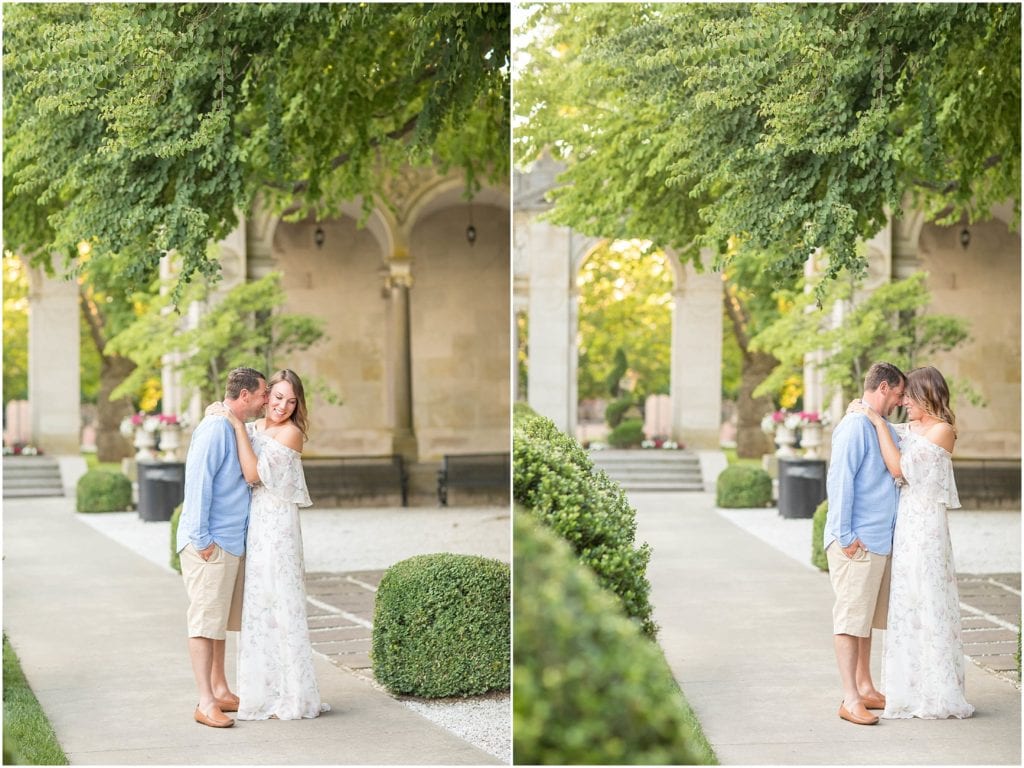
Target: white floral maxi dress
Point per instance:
(275, 659)
(923, 665)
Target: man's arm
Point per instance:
(848, 452)
(199, 490)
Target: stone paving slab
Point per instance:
(101, 637)
(746, 630)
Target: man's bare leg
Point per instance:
(201, 651)
(848, 657)
(218, 678)
(865, 686)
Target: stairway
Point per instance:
(651, 469)
(26, 476)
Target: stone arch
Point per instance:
(548, 259)
(458, 313)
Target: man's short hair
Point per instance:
(243, 378)
(880, 372)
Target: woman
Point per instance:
(923, 665)
(275, 659)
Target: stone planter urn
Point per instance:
(170, 442)
(785, 439)
(145, 445)
(810, 440)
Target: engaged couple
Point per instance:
(889, 553)
(239, 532)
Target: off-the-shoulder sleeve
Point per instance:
(280, 471)
(901, 431)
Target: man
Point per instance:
(862, 502)
(211, 541)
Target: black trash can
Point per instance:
(161, 488)
(801, 486)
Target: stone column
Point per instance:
(697, 359)
(552, 371)
(54, 386)
(398, 281)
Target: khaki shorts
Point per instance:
(861, 584)
(214, 589)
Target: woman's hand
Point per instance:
(219, 409)
(859, 406)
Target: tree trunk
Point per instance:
(111, 445)
(751, 442)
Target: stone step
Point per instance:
(651, 470)
(33, 492)
(26, 476)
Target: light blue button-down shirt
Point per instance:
(216, 505)
(862, 495)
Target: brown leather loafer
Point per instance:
(875, 701)
(856, 719)
(230, 704)
(216, 720)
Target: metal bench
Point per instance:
(472, 471)
(337, 480)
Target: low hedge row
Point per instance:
(441, 626)
(743, 487)
(554, 478)
(101, 490)
(590, 688)
(175, 559)
(818, 558)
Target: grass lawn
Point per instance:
(734, 461)
(28, 735)
(91, 462)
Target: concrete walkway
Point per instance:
(747, 631)
(100, 632)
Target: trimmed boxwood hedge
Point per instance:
(101, 490)
(175, 558)
(441, 626)
(590, 688)
(818, 558)
(554, 478)
(743, 487)
(629, 434)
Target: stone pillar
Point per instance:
(552, 309)
(398, 281)
(697, 359)
(54, 387)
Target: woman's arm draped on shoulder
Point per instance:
(890, 452)
(246, 455)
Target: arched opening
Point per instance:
(624, 293)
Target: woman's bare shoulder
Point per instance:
(291, 436)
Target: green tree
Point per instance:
(767, 131)
(625, 302)
(150, 128)
(15, 299)
(786, 127)
(245, 327)
(890, 324)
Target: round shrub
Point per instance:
(615, 411)
(441, 626)
(740, 486)
(175, 519)
(590, 689)
(818, 558)
(554, 478)
(629, 434)
(100, 490)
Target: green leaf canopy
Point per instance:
(150, 128)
